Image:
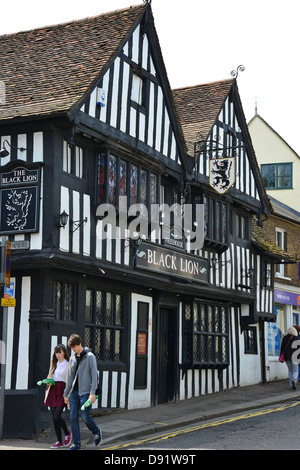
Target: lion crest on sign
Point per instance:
(222, 174)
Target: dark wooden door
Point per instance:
(166, 360)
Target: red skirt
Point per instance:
(56, 395)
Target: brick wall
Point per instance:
(293, 246)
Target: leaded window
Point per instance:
(118, 177)
(112, 175)
(64, 300)
(133, 184)
(205, 334)
(104, 324)
(215, 223)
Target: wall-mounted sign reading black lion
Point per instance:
(19, 200)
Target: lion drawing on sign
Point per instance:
(221, 173)
(17, 204)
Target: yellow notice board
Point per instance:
(8, 302)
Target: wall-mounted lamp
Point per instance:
(75, 224)
(4, 152)
(63, 219)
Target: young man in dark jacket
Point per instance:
(81, 386)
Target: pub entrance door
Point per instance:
(166, 360)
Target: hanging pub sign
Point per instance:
(222, 173)
(174, 263)
(20, 194)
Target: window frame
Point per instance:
(216, 223)
(98, 330)
(268, 274)
(142, 190)
(73, 160)
(214, 343)
(280, 267)
(277, 176)
(139, 99)
(250, 344)
(61, 315)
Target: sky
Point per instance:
(204, 41)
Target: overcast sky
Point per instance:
(203, 41)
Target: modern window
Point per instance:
(276, 330)
(205, 334)
(277, 175)
(64, 300)
(104, 324)
(281, 241)
(296, 315)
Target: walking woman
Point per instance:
(288, 350)
(54, 394)
(298, 331)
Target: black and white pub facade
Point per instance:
(133, 220)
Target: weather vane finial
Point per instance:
(234, 73)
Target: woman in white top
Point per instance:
(54, 393)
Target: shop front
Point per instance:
(287, 310)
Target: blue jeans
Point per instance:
(76, 401)
(293, 371)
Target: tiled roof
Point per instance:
(282, 210)
(50, 69)
(198, 108)
(265, 243)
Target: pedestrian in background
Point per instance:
(288, 350)
(81, 386)
(298, 331)
(54, 397)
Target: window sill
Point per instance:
(279, 276)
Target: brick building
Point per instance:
(280, 165)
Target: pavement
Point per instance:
(126, 425)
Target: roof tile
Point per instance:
(198, 107)
(50, 69)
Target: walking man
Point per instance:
(81, 385)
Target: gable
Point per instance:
(213, 122)
(270, 147)
(134, 98)
(48, 70)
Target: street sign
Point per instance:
(7, 264)
(19, 245)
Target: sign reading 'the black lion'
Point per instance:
(174, 263)
(19, 200)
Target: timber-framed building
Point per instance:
(90, 118)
